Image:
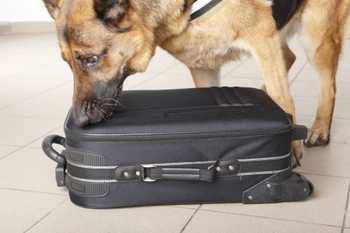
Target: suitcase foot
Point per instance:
(282, 187)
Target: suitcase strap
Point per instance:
(201, 171)
(212, 170)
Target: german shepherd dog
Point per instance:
(104, 41)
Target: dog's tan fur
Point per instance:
(232, 28)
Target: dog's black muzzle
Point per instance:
(102, 104)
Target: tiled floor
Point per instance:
(35, 95)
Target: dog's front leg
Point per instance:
(269, 53)
(204, 77)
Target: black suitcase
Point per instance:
(185, 146)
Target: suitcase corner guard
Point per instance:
(286, 186)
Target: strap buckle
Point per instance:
(145, 176)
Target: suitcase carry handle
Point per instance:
(47, 147)
(154, 173)
(53, 154)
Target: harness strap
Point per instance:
(200, 7)
(283, 11)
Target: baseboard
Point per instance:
(7, 28)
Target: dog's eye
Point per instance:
(90, 61)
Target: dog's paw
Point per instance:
(297, 153)
(317, 137)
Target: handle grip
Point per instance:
(47, 147)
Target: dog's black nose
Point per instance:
(92, 112)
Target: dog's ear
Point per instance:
(53, 7)
(112, 12)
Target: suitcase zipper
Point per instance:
(74, 164)
(118, 181)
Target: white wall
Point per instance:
(23, 10)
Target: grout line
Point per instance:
(239, 64)
(190, 219)
(297, 75)
(43, 217)
(321, 175)
(309, 115)
(28, 144)
(32, 191)
(346, 211)
(270, 218)
(39, 117)
(8, 145)
(153, 77)
(183, 207)
(41, 93)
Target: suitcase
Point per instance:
(186, 146)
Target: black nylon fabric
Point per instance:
(173, 126)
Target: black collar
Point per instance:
(200, 7)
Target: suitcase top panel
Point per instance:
(184, 112)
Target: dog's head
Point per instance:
(103, 41)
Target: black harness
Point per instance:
(200, 7)
(282, 10)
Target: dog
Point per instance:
(104, 41)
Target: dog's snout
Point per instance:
(88, 113)
(94, 111)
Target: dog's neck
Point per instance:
(165, 18)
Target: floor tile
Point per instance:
(332, 160)
(20, 210)
(27, 65)
(29, 169)
(5, 150)
(343, 70)
(19, 131)
(177, 77)
(249, 69)
(229, 68)
(71, 219)
(14, 90)
(52, 105)
(347, 230)
(160, 63)
(325, 207)
(347, 219)
(308, 107)
(214, 222)
(28, 55)
(37, 143)
(307, 85)
(242, 82)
